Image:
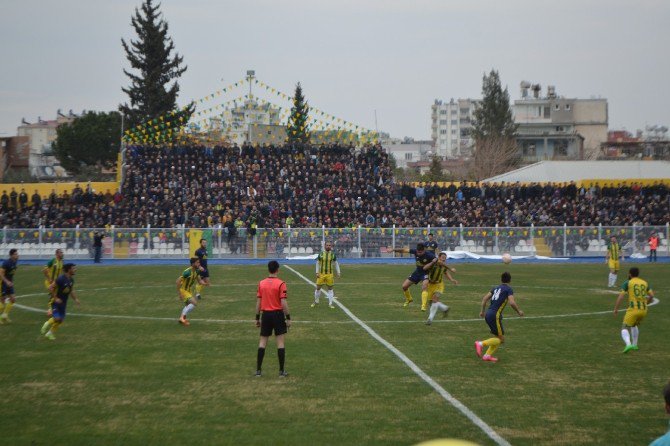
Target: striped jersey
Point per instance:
(325, 261)
(615, 251)
(436, 273)
(637, 290)
(55, 268)
(188, 279)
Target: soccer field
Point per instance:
(123, 371)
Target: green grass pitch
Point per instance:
(143, 379)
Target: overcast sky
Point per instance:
(352, 56)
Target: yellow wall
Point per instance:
(44, 189)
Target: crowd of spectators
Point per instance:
(333, 185)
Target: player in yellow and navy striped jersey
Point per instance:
(437, 269)
(185, 284)
(52, 271)
(325, 261)
(612, 258)
(640, 294)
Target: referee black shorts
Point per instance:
(273, 320)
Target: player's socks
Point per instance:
(492, 344)
(408, 296)
(47, 325)
(187, 309)
(2, 305)
(8, 306)
(611, 280)
(635, 332)
(317, 294)
(433, 311)
(330, 295)
(259, 358)
(281, 354)
(625, 335)
(54, 326)
(424, 300)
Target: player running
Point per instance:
(63, 288)
(640, 294)
(324, 274)
(421, 259)
(201, 254)
(185, 284)
(612, 258)
(436, 272)
(52, 271)
(499, 296)
(8, 297)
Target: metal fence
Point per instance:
(359, 242)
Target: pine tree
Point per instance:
(435, 171)
(297, 129)
(493, 130)
(493, 117)
(150, 92)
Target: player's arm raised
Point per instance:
(512, 303)
(485, 299)
(430, 264)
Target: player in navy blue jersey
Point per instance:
(63, 288)
(201, 254)
(422, 257)
(7, 277)
(499, 296)
(431, 244)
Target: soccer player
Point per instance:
(63, 288)
(8, 298)
(52, 271)
(431, 244)
(421, 259)
(640, 294)
(612, 259)
(324, 274)
(185, 284)
(271, 301)
(499, 296)
(201, 254)
(436, 272)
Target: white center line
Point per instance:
(488, 430)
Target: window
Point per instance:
(465, 111)
(408, 156)
(443, 132)
(443, 122)
(557, 107)
(453, 131)
(454, 122)
(546, 112)
(561, 148)
(453, 111)
(567, 107)
(443, 112)
(528, 149)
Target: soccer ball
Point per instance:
(506, 258)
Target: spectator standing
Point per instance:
(665, 439)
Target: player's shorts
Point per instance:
(273, 321)
(495, 322)
(613, 264)
(58, 311)
(633, 317)
(325, 279)
(7, 290)
(435, 288)
(417, 276)
(203, 273)
(185, 295)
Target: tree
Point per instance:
(91, 139)
(435, 172)
(150, 92)
(493, 130)
(297, 129)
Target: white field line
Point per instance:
(488, 430)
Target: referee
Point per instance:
(272, 302)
